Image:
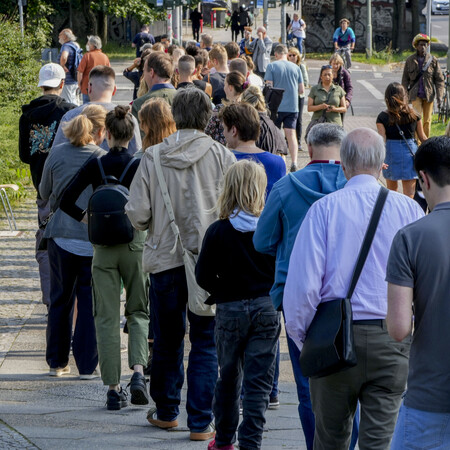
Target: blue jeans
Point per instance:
(304, 406)
(168, 292)
(247, 333)
(70, 277)
(299, 41)
(417, 429)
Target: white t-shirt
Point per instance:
(296, 28)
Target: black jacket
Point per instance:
(37, 129)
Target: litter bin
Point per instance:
(221, 14)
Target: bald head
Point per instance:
(261, 30)
(362, 152)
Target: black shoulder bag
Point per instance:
(329, 345)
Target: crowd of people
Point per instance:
(209, 211)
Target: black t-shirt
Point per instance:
(230, 268)
(392, 131)
(217, 81)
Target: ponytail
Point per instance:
(82, 128)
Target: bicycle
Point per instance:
(345, 54)
(444, 110)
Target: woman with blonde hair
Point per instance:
(295, 57)
(271, 138)
(239, 280)
(156, 120)
(70, 252)
(398, 125)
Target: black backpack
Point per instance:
(107, 222)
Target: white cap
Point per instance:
(51, 75)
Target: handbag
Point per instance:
(321, 119)
(329, 344)
(196, 295)
(273, 97)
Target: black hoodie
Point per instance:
(37, 128)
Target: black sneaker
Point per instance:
(138, 389)
(116, 400)
(274, 403)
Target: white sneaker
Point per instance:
(59, 371)
(90, 376)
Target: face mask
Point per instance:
(88, 47)
(61, 41)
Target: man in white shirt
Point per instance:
(329, 241)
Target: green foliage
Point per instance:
(12, 170)
(437, 128)
(38, 24)
(123, 8)
(19, 66)
(117, 51)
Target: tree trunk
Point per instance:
(340, 11)
(89, 17)
(102, 18)
(415, 11)
(398, 26)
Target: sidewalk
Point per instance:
(38, 411)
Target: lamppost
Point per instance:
(369, 29)
(21, 4)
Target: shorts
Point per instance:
(289, 120)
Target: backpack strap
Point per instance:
(132, 160)
(102, 172)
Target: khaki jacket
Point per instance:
(433, 80)
(193, 165)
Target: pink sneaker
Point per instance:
(212, 446)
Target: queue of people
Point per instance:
(200, 165)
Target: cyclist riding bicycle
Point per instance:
(297, 29)
(344, 41)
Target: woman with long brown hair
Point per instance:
(156, 121)
(397, 125)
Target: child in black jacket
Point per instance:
(247, 326)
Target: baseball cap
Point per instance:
(51, 75)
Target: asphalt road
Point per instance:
(439, 27)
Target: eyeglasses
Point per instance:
(328, 66)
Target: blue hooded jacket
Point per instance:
(286, 207)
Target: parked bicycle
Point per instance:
(444, 110)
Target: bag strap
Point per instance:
(132, 160)
(402, 134)
(166, 198)
(102, 172)
(368, 238)
(416, 81)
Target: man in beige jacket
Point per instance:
(193, 165)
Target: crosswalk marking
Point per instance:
(377, 75)
(372, 89)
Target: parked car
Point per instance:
(439, 7)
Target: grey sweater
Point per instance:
(63, 162)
